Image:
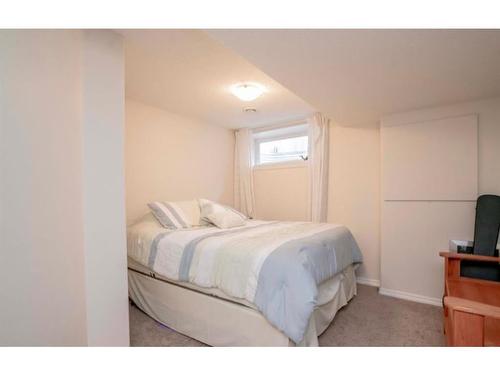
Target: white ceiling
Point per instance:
(189, 73)
(357, 76)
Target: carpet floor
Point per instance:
(370, 319)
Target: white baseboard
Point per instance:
(411, 296)
(370, 282)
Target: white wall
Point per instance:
(419, 230)
(170, 157)
(42, 255)
(104, 189)
(353, 195)
(50, 127)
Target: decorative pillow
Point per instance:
(176, 215)
(220, 215)
(242, 215)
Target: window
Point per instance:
(282, 145)
(281, 150)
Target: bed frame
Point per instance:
(218, 321)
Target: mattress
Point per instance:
(326, 291)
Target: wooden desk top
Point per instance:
(461, 256)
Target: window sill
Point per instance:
(282, 165)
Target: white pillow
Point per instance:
(220, 215)
(226, 219)
(176, 215)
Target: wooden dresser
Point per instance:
(471, 306)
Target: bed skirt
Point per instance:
(219, 322)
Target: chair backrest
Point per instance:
(485, 240)
(487, 225)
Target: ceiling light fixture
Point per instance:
(247, 91)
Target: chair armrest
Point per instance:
(461, 256)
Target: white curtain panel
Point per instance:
(244, 196)
(318, 165)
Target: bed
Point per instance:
(266, 283)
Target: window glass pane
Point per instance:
(283, 150)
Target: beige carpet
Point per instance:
(370, 319)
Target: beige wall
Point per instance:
(61, 150)
(170, 157)
(354, 190)
(353, 199)
(414, 232)
(282, 193)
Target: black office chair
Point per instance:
(485, 239)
